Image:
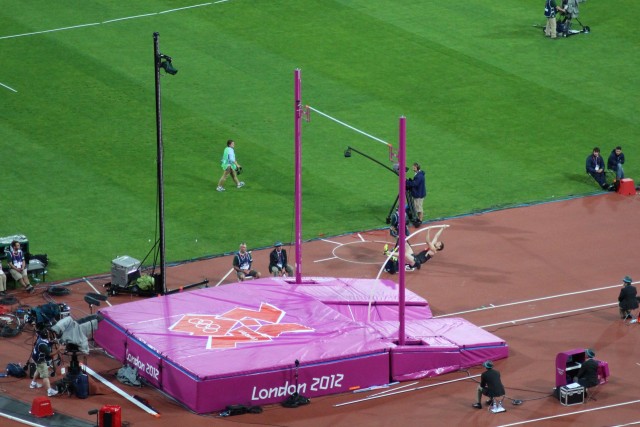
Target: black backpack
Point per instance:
(15, 370)
(391, 266)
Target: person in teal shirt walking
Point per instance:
(230, 166)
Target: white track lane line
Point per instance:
(326, 259)
(331, 241)
(570, 413)
(513, 322)
(528, 301)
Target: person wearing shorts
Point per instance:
(418, 188)
(42, 356)
(242, 264)
(18, 266)
(3, 282)
(230, 166)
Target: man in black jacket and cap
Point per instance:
(628, 298)
(491, 386)
(588, 373)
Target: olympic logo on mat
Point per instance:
(238, 326)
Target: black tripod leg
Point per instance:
(393, 207)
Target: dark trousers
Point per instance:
(600, 178)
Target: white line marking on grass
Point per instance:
(326, 259)
(186, 7)
(570, 413)
(109, 21)
(527, 301)
(129, 17)
(50, 31)
(550, 314)
(10, 88)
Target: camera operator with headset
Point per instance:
(569, 10)
(42, 356)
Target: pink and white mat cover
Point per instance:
(238, 344)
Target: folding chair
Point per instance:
(592, 393)
(603, 375)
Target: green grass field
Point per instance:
(496, 113)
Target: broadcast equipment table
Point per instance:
(567, 365)
(569, 362)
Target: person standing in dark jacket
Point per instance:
(615, 162)
(418, 188)
(588, 373)
(628, 298)
(491, 386)
(595, 168)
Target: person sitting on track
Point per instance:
(491, 386)
(628, 299)
(242, 264)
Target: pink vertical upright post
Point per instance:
(402, 224)
(298, 177)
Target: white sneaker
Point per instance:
(634, 321)
(35, 385)
(241, 184)
(219, 188)
(52, 392)
(407, 267)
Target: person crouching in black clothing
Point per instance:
(628, 298)
(491, 386)
(588, 373)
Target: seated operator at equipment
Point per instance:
(490, 386)
(588, 373)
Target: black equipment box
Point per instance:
(571, 395)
